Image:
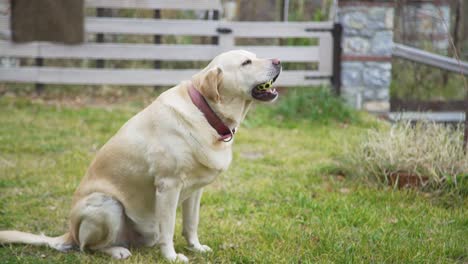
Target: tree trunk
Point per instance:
(454, 47)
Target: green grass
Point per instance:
(413, 81)
(278, 203)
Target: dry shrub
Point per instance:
(424, 149)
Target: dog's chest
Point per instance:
(204, 166)
(197, 179)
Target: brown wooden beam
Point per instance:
(434, 106)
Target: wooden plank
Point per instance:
(197, 27)
(157, 4)
(436, 106)
(4, 19)
(152, 52)
(302, 78)
(431, 59)
(141, 26)
(278, 29)
(285, 53)
(449, 117)
(5, 31)
(226, 42)
(110, 51)
(52, 75)
(5, 8)
(326, 53)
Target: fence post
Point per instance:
(157, 38)
(214, 39)
(39, 62)
(336, 71)
(157, 41)
(465, 136)
(100, 37)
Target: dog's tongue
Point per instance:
(265, 95)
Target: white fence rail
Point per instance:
(115, 51)
(152, 4)
(428, 58)
(226, 32)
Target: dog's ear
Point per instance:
(209, 83)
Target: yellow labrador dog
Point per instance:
(163, 157)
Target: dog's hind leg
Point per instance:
(98, 223)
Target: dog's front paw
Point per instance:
(170, 254)
(181, 258)
(199, 248)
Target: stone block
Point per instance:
(351, 73)
(386, 66)
(389, 18)
(382, 94)
(376, 18)
(355, 46)
(352, 96)
(368, 94)
(377, 106)
(382, 43)
(365, 32)
(376, 77)
(354, 20)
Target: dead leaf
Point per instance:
(252, 155)
(345, 190)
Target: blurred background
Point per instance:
(437, 26)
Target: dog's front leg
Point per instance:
(167, 198)
(191, 209)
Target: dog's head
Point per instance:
(239, 73)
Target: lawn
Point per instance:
(280, 201)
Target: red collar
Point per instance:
(225, 134)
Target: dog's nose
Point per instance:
(276, 62)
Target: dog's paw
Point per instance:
(118, 252)
(180, 258)
(170, 254)
(61, 247)
(199, 248)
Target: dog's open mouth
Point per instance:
(265, 91)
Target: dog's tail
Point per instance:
(61, 243)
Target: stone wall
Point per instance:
(367, 49)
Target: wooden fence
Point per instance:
(451, 111)
(434, 60)
(225, 32)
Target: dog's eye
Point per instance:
(246, 62)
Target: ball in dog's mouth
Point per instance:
(264, 91)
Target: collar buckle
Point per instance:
(228, 137)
